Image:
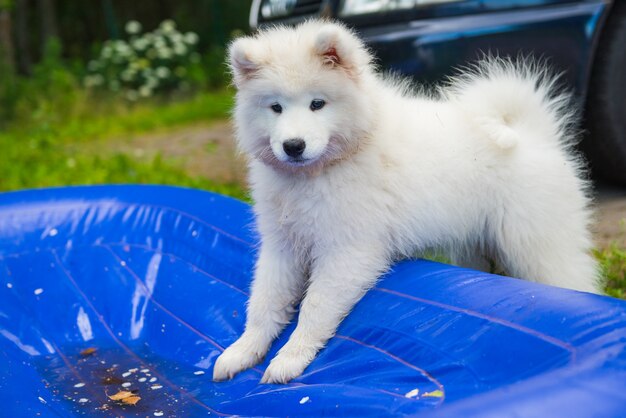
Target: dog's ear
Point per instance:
(242, 61)
(340, 48)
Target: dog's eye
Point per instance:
(277, 108)
(317, 104)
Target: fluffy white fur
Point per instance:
(482, 169)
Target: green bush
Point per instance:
(162, 61)
(51, 94)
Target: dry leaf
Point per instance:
(121, 395)
(131, 400)
(87, 352)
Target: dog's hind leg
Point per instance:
(553, 250)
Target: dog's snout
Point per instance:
(294, 147)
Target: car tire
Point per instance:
(605, 141)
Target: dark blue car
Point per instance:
(426, 39)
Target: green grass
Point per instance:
(146, 117)
(36, 151)
(613, 263)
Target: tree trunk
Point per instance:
(22, 35)
(49, 28)
(7, 61)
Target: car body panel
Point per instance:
(430, 41)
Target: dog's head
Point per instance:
(300, 101)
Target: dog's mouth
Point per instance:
(299, 161)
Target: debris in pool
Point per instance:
(126, 374)
(79, 385)
(133, 370)
(198, 372)
(158, 413)
(434, 394)
(38, 291)
(10, 285)
(153, 379)
(87, 352)
(145, 370)
(122, 394)
(131, 400)
(123, 263)
(126, 384)
(83, 400)
(142, 379)
(53, 232)
(126, 397)
(42, 400)
(412, 394)
(304, 400)
(104, 407)
(154, 387)
(112, 380)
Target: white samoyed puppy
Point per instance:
(350, 171)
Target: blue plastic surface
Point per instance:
(156, 280)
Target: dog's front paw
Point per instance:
(285, 367)
(240, 356)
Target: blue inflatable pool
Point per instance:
(138, 289)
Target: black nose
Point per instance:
(294, 147)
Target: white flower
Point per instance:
(152, 82)
(124, 49)
(180, 49)
(145, 91)
(167, 26)
(176, 37)
(191, 38)
(163, 72)
(164, 53)
(140, 44)
(106, 52)
(159, 42)
(133, 27)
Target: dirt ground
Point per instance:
(610, 215)
(209, 150)
(206, 150)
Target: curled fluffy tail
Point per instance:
(512, 100)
